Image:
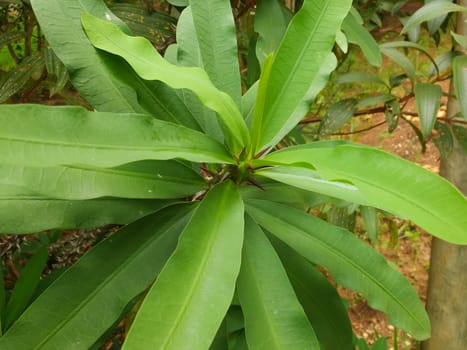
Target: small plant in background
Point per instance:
(219, 248)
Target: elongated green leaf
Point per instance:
(445, 141)
(147, 62)
(188, 55)
(248, 102)
(88, 68)
(99, 286)
(461, 40)
(310, 180)
(358, 34)
(31, 66)
(218, 44)
(359, 77)
(400, 59)
(282, 193)
(187, 304)
(459, 70)
(389, 183)
(55, 67)
(351, 262)
(258, 112)
(274, 319)
(25, 287)
(104, 80)
(271, 21)
(304, 49)
(428, 99)
(411, 45)
(146, 179)
(370, 219)
(319, 298)
(329, 64)
(376, 99)
(30, 214)
(460, 133)
(338, 114)
(49, 136)
(188, 51)
(430, 11)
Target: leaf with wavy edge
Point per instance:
(148, 64)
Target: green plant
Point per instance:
(217, 242)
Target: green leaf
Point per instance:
(430, 11)
(388, 182)
(408, 44)
(338, 114)
(145, 179)
(274, 319)
(149, 65)
(351, 262)
(319, 298)
(258, 111)
(89, 70)
(249, 101)
(461, 40)
(311, 180)
(55, 67)
(358, 34)
(187, 304)
(304, 50)
(428, 99)
(188, 51)
(460, 133)
(445, 140)
(25, 287)
(29, 67)
(359, 77)
(376, 99)
(99, 286)
(271, 21)
(459, 70)
(370, 219)
(218, 44)
(48, 136)
(26, 215)
(400, 59)
(282, 193)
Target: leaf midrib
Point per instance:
(327, 247)
(279, 97)
(106, 282)
(193, 287)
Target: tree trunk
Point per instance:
(447, 287)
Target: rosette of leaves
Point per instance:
(219, 249)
